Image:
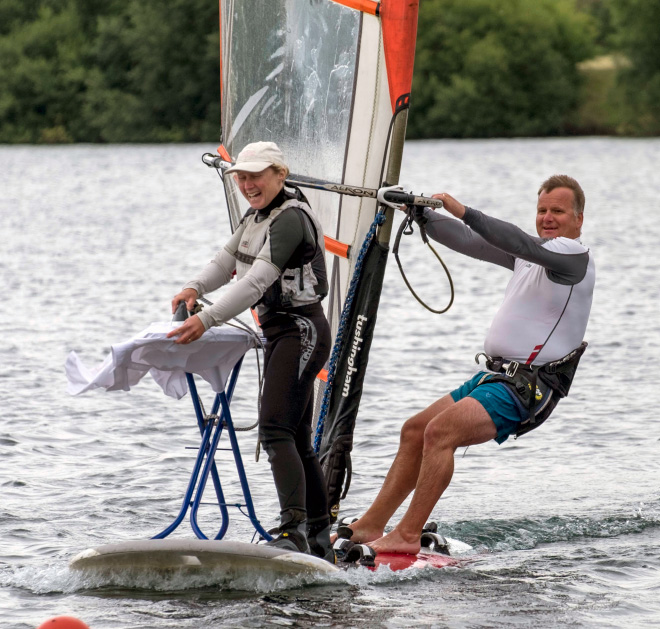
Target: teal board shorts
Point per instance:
(498, 401)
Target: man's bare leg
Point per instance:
(463, 424)
(402, 476)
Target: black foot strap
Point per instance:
(356, 554)
(344, 532)
(432, 540)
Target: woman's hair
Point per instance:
(281, 169)
(564, 181)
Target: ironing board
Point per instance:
(217, 358)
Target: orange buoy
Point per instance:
(63, 622)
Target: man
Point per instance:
(542, 319)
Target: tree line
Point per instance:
(109, 70)
(148, 70)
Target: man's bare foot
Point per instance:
(394, 542)
(362, 533)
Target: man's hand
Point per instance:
(191, 330)
(451, 205)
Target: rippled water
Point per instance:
(563, 525)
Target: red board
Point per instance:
(402, 561)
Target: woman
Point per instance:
(278, 254)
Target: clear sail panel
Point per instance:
(288, 76)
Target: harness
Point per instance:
(292, 280)
(536, 389)
(301, 275)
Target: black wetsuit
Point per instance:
(298, 344)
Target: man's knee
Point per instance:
(465, 423)
(412, 431)
(440, 433)
(414, 428)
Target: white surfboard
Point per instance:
(196, 555)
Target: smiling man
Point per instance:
(560, 211)
(532, 350)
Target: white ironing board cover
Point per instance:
(212, 357)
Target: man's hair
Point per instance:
(564, 181)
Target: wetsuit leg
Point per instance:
(297, 348)
(318, 519)
(316, 497)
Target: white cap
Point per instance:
(258, 156)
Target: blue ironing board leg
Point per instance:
(211, 432)
(241, 473)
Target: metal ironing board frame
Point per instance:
(210, 429)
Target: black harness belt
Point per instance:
(536, 388)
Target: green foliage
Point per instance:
(599, 111)
(601, 12)
(41, 76)
(497, 68)
(638, 28)
(148, 70)
(156, 73)
(16, 12)
(109, 71)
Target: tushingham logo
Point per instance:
(357, 346)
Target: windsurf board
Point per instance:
(159, 555)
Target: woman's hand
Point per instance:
(451, 205)
(189, 295)
(191, 330)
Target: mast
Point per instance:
(334, 438)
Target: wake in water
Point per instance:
(526, 533)
(471, 541)
(61, 579)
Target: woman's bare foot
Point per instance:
(362, 532)
(394, 542)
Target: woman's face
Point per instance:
(260, 188)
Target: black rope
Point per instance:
(406, 228)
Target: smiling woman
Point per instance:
(260, 172)
(277, 253)
(262, 187)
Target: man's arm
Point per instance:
(563, 268)
(457, 236)
(565, 260)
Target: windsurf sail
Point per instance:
(328, 81)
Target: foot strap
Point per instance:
(351, 553)
(432, 540)
(344, 532)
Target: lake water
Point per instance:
(561, 528)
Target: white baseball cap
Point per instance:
(258, 156)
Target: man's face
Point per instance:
(555, 215)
